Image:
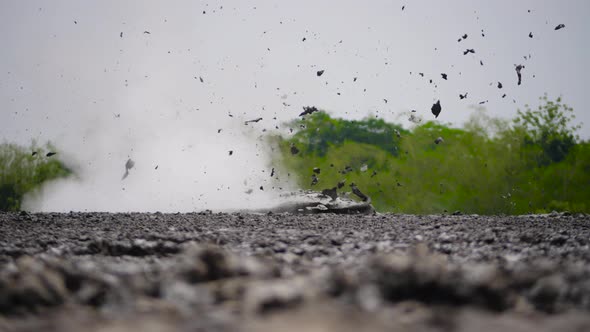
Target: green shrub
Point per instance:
(21, 172)
(487, 167)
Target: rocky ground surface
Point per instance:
(284, 272)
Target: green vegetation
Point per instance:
(22, 172)
(533, 164)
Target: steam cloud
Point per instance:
(181, 161)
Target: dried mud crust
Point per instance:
(282, 272)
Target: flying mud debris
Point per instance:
(314, 180)
(436, 109)
(518, 68)
(128, 165)
(332, 193)
(308, 110)
(252, 121)
(358, 193)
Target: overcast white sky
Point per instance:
(66, 74)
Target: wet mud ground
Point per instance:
(283, 272)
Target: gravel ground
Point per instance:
(285, 272)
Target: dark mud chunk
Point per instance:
(560, 26)
(314, 180)
(332, 193)
(444, 76)
(358, 193)
(294, 149)
(308, 110)
(436, 109)
(253, 121)
(469, 50)
(320, 72)
(518, 68)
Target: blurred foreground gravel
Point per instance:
(284, 272)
